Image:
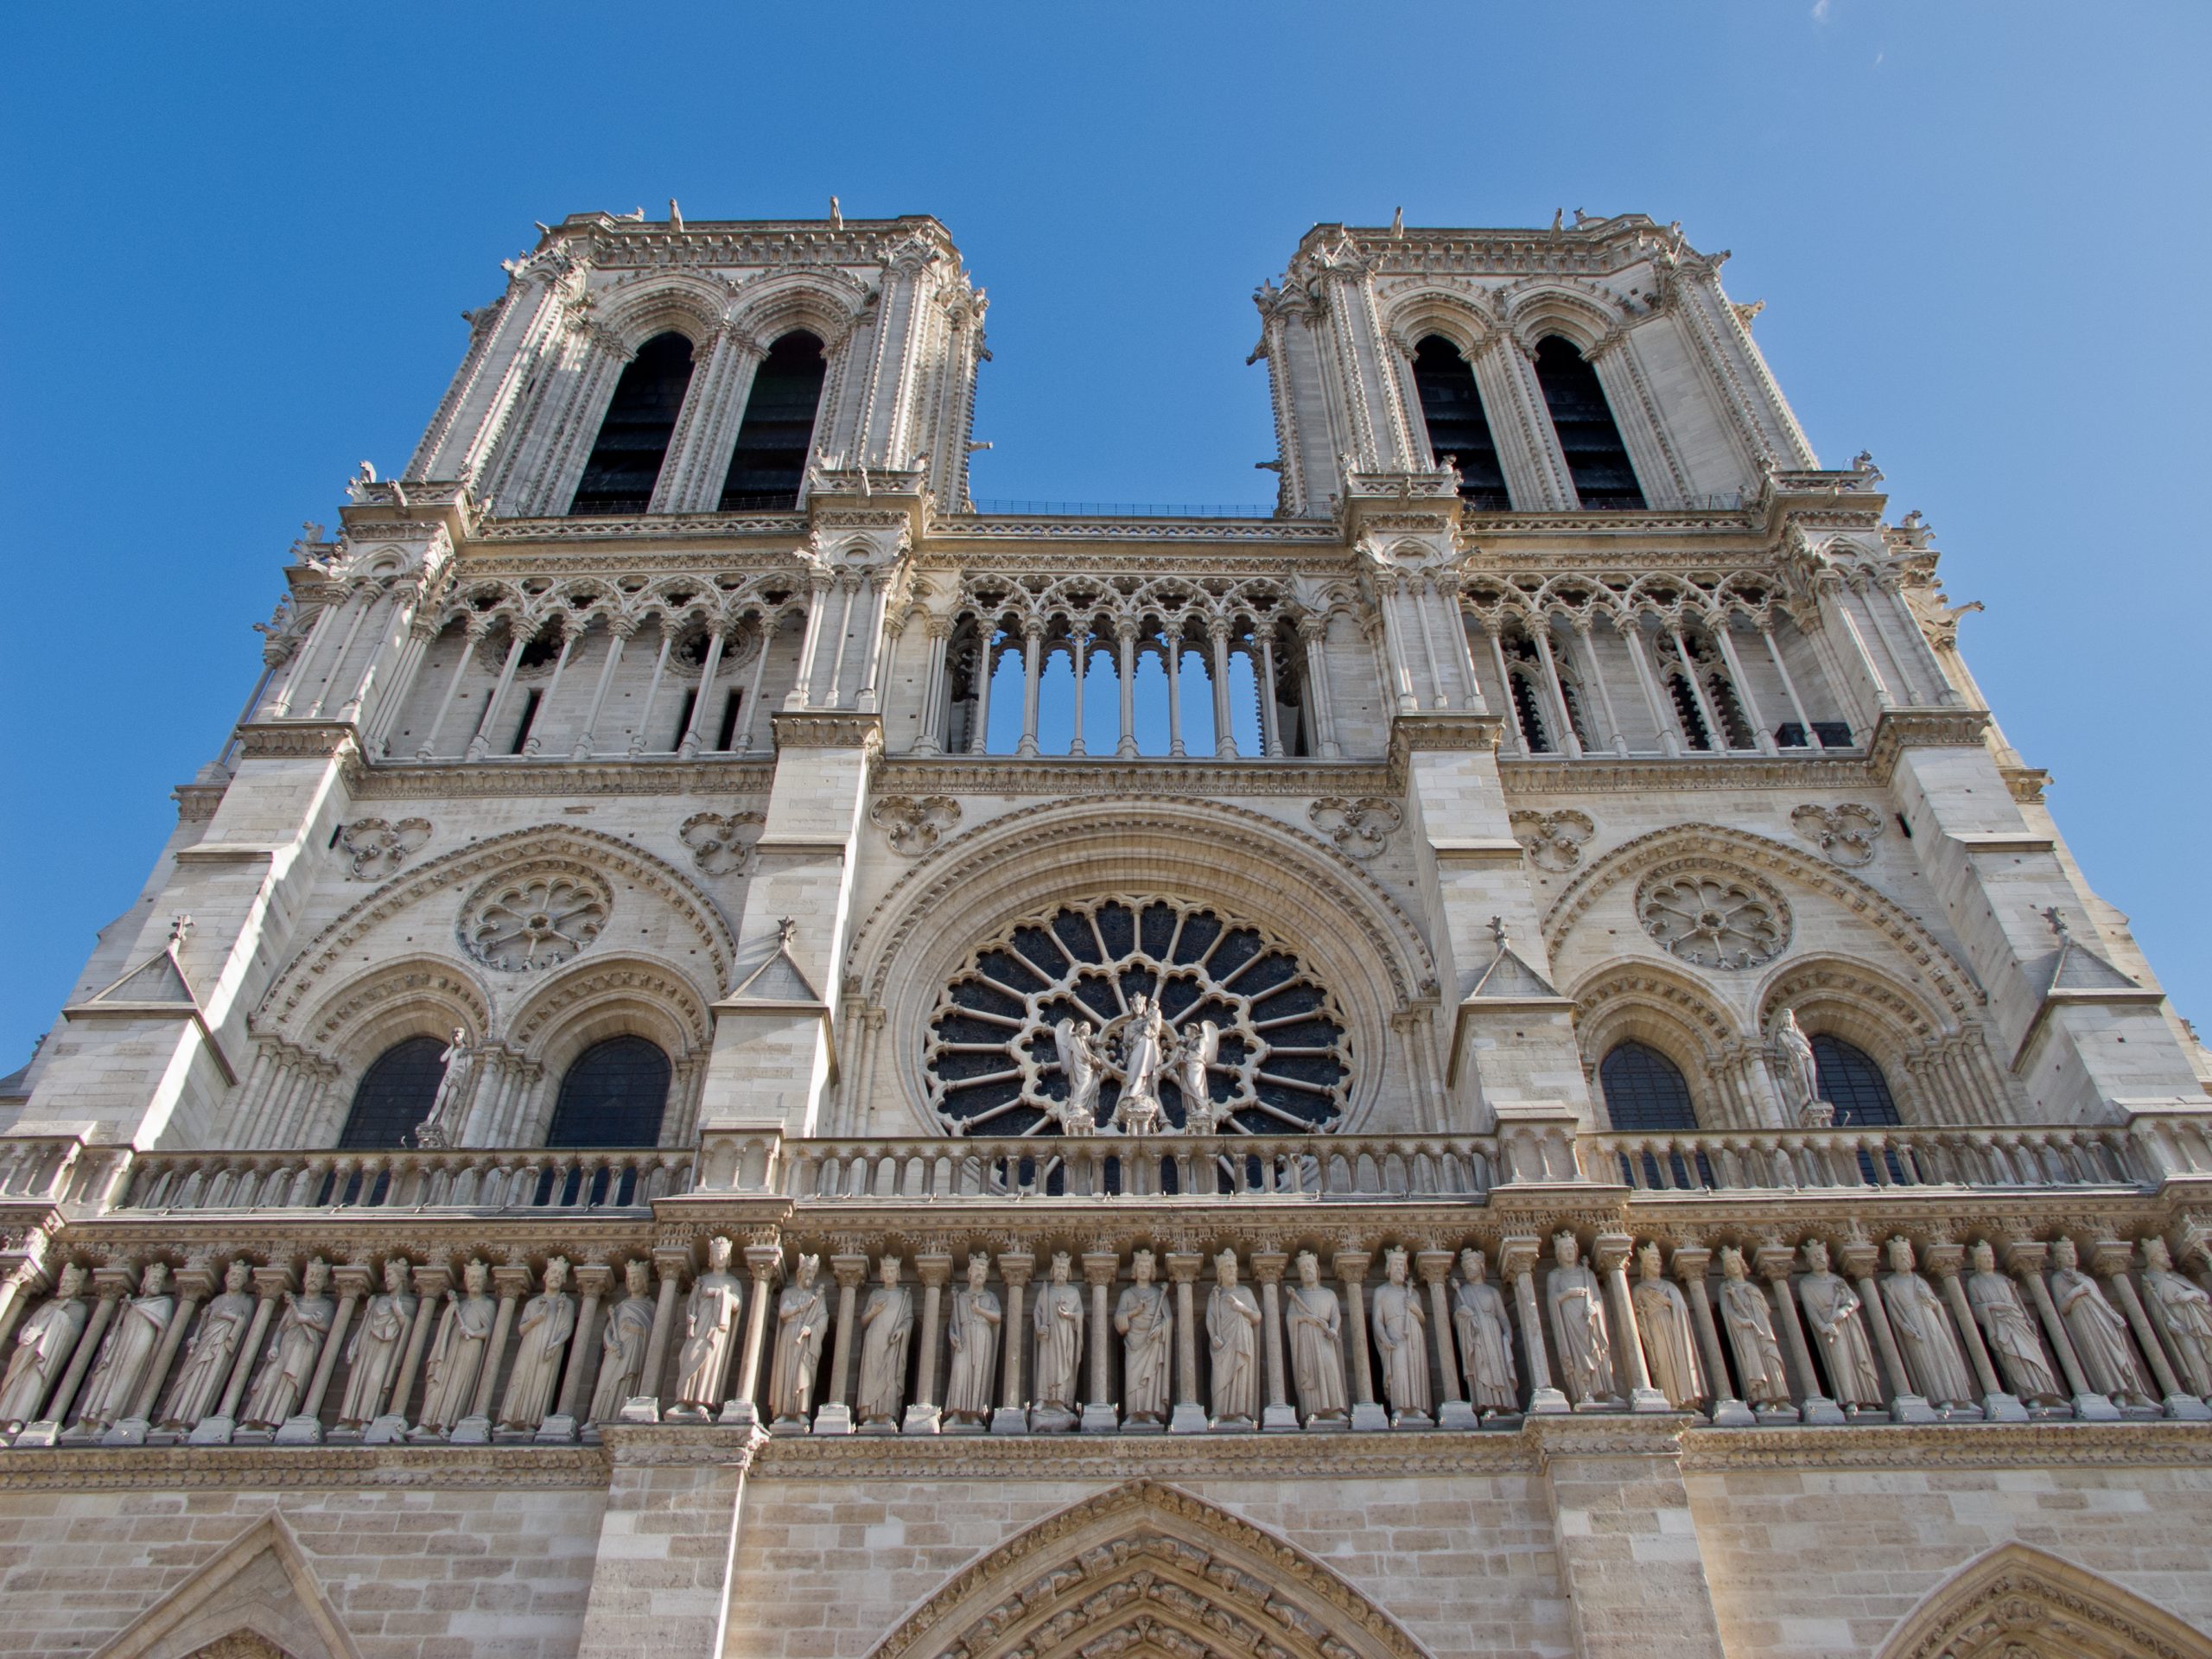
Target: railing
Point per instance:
(1241, 1167)
(538, 1177)
(1120, 508)
(1803, 1159)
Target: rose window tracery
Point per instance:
(999, 1050)
(1714, 920)
(533, 919)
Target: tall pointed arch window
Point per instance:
(634, 438)
(1451, 408)
(1596, 457)
(396, 1093)
(1852, 1083)
(614, 1094)
(769, 463)
(1644, 1089)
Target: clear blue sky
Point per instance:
(242, 239)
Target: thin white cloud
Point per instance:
(1821, 9)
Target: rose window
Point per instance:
(1714, 921)
(1274, 1062)
(533, 920)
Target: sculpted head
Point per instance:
(1061, 1265)
(1472, 1266)
(1141, 1267)
(395, 1275)
(71, 1283)
(155, 1280)
(1647, 1262)
(1900, 1249)
(1731, 1262)
(2063, 1255)
(637, 1275)
(556, 1272)
(1309, 1269)
(1394, 1265)
(1816, 1256)
(238, 1275)
(1983, 1256)
(808, 1267)
(475, 1278)
(890, 1272)
(979, 1269)
(2156, 1256)
(718, 1249)
(1565, 1251)
(1225, 1269)
(316, 1279)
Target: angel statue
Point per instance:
(1144, 1052)
(1084, 1068)
(1198, 1050)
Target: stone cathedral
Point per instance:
(742, 1055)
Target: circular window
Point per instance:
(533, 919)
(1714, 920)
(1275, 1060)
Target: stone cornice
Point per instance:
(78, 1469)
(1656, 775)
(1130, 1457)
(295, 740)
(1951, 1446)
(827, 728)
(710, 774)
(1899, 729)
(1072, 775)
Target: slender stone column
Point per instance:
(472, 635)
(1688, 1265)
(934, 1269)
(431, 1283)
(1032, 646)
(1013, 1416)
(1517, 1259)
(929, 740)
(848, 586)
(1224, 739)
(592, 1279)
(643, 1406)
(1079, 648)
(27, 1280)
(867, 696)
(2111, 1257)
(362, 601)
(1313, 633)
(1639, 656)
(749, 712)
(637, 745)
(1614, 736)
(304, 1426)
(835, 1415)
(1267, 1269)
(1516, 741)
(113, 1284)
(1715, 727)
(987, 641)
(1351, 1268)
(1788, 686)
(1188, 1417)
(535, 743)
(1125, 640)
(1774, 1262)
(1944, 1261)
(1724, 636)
(763, 1262)
(270, 1283)
(1453, 1411)
(1608, 1254)
(1858, 1257)
(2025, 1259)
(687, 744)
(1174, 643)
(1270, 721)
(481, 741)
(1099, 1416)
(1542, 628)
(194, 1280)
(618, 630)
(511, 1280)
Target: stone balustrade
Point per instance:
(1809, 1159)
(465, 1179)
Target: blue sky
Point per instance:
(243, 238)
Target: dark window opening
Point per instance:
(1571, 696)
(614, 1095)
(683, 718)
(625, 462)
(1851, 1083)
(1644, 1089)
(1729, 708)
(727, 734)
(769, 462)
(539, 652)
(1596, 457)
(1531, 717)
(1692, 716)
(1452, 407)
(396, 1093)
(530, 708)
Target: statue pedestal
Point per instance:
(1457, 1413)
(1548, 1402)
(387, 1430)
(738, 1414)
(1912, 1409)
(1648, 1400)
(300, 1431)
(47, 1432)
(1232, 1426)
(1099, 1419)
(641, 1408)
(2185, 1407)
(1819, 1408)
(876, 1425)
(836, 1418)
(1279, 1417)
(1189, 1418)
(557, 1430)
(470, 1431)
(1368, 1416)
(1010, 1420)
(920, 1419)
(1733, 1414)
(132, 1431)
(1776, 1413)
(1412, 1418)
(1997, 1408)
(782, 1427)
(1051, 1420)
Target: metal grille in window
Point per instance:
(614, 1095)
(1644, 1089)
(1282, 1063)
(395, 1094)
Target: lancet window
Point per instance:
(1459, 431)
(1852, 1083)
(395, 1094)
(1596, 458)
(614, 1094)
(768, 464)
(633, 437)
(1644, 1089)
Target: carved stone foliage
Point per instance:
(1362, 828)
(377, 849)
(915, 825)
(534, 917)
(1846, 833)
(1715, 919)
(1268, 1040)
(720, 844)
(1553, 839)
(2018, 1603)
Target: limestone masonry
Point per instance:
(737, 1056)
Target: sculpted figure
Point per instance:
(373, 1355)
(1059, 1325)
(2010, 1330)
(1317, 1344)
(973, 1331)
(288, 1360)
(1798, 1072)
(802, 1321)
(1146, 1325)
(541, 1334)
(457, 1353)
(1400, 1340)
(1930, 1352)
(1749, 1319)
(112, 1388)
(1663, 1314)
(886, 1323)
(1144, 1050)
(1485, 1337)
(442, 1126)
(1085, 1072)
(1839, 1322)
(1200, 1049)
(2183, 1312)
(43, 1342)
(1233, 1336)
(709, 1334)
(2099, 1334)
(213, 1349)
(1578, 1308)
(622, 1344)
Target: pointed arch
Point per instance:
(1147, 1567)
(258, 1587)
(2018, 1602)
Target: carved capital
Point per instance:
(1690, 1262)
(1183, 1266)
(1016, 1266)
(1099, 1267)
(1433, 1266)
(933, 1268)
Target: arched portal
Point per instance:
(1146, 1568)
(2018, 1602)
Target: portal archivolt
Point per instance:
(1148, 1570)
(2019, 1602)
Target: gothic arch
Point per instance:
(1148, 1568)
(417, 996)
(651, 304)
(1448, 315)
(257, 1594)
(1856, 1002)
(1581, 316)
(2018, 1602)
(829, 304)
(1740, 849)
(1357, 939)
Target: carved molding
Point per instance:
(914, 825)
(377, 848)
(1361, 827)
(721, 843)
(1846, 833)
(1554, 839)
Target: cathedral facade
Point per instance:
(738, 1056)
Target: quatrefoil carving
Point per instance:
(915, 826)
(722, 844)
(1553, 839)
(1846, 833)
(1360, 827)
(379, 849)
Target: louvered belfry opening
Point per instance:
(769, 463)
(1596, 458)
(1452, 407)
(626, 462)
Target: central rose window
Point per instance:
(1007, 1051)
